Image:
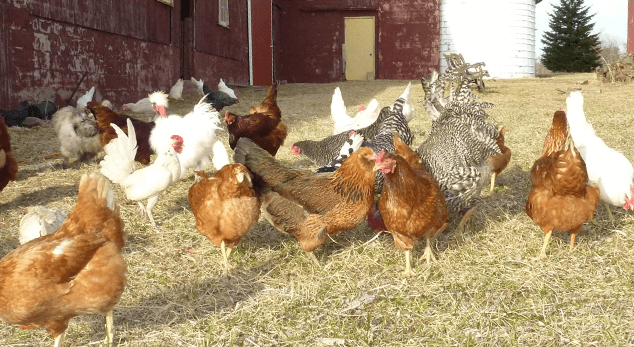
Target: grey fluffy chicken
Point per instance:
(459, 143)
(77, 133)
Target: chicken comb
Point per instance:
(379, 157)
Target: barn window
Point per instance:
(223, 13)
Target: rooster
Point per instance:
(609, 169)
(364, 117)
(106, 116)
(310, 205)
(560, 198)
(198, 130)
(78, 270)
(149, 182)
(8, 164)
(225, 206)
(263, 125)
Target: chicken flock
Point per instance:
(72, 265)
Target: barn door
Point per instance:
(359, 48)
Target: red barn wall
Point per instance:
(407, 40)
(125, 47)
(221, 52)
(630, 27)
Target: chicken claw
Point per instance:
(428, 255)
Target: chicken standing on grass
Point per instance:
(500, 161)
(310, 205)
(198, 130)
(76, 271)
(149, 182)
(560, 198)
(609, 169)
(225, 206)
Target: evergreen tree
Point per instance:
(570, 45)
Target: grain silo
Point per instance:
(500, 33)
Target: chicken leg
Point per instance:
(607, 208)
(542, 255)
(59, 340)
(428, 255)
(573, 236)
(408, 268)
(465, 218)
(109, 329)
(150, 205)
(493, 175)
(225, 253)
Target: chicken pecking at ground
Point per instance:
(149, 182)
(106, 116)
(560, 198)
(263, 125)
(500, 161)
(310, 205)
(457, 149)
(8, 164)
(198, 130)
(607, 168)
(76, 271)
(225, 206)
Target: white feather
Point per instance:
(223, 88)
(343, 122)
(83, 101)
(220, 157)
(609, 169)
(39, 221)
(199, 85)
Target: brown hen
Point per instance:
(78, 270)
(225, 206)
(8, 164)
(560, 198)
(412, 205)
(500, 161)
(263, 125)
(308, 205)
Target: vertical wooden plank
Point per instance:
(261, 33)
(5, 88)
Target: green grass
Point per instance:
(486, 289)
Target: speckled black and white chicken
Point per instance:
(379, 136)
(459, 143)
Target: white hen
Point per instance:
(198, 130)
(149, 182)
(223, 88)
(610, 170)
(364, 117)
(199, 85)
(40, 221)
(176, 92)
(408, 110)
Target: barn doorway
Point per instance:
(359, 57)
(187, 38)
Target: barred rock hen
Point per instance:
(349, 147)
(78, 270)
(105, 116)
(560, 198)
(457, 148)
(225, 206)
(310, 205)
(263, 125)
(411, 205)
(8, 164)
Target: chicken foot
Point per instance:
(225, 253)
(542, 255)
(59, 340)
(428, 255)
(408, 268)
(109, 329)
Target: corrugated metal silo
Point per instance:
(500, 33)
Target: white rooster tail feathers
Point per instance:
(159, 98)
(83, 101)
(337, 106)
(405, 95)
(205, 108)
(220, 157)
(120, 152)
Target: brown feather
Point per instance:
(9, 166)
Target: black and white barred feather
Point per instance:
(352, 144)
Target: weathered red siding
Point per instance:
(261, 32)
(124, 46)
(313, 32)
(221, 52)
(630, 27)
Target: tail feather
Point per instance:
(120, 152)
(85, 99)
(220, 157)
